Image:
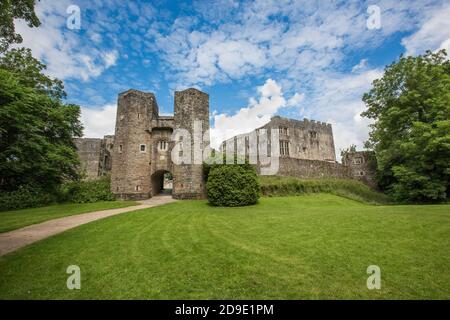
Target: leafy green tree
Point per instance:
(15, 9)
(36, 127)
(411, 133)
(29, 72)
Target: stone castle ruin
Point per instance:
(138, 156)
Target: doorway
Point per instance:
(162, 182)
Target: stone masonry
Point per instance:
(139, 154)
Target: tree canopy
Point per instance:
(15, 9)
(36, 127)
(410, 135)
(29, 72)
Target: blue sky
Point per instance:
(298, 59)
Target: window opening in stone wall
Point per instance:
(284, 148)
(313, 134)
(163, 145)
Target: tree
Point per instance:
(15, 9)
(350, 149)
(29, 72)
(36, 128)
(411, 133)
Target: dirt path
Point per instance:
(13, 240)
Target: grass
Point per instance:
(11, 220)
(306, 247)
(351, 189)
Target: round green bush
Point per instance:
(232, 185)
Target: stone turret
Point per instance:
(190, 105)
(131, 165)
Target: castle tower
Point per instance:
(131, 165)
(190, 105)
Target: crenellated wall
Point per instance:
(139, 154)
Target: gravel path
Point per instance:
(13, 240)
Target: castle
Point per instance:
(138, 156)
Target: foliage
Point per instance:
(289, 186)
(36, 135)
(29, 72)
(87, 191)
(350, 149)
(232, 185)
(25, 197)
(15, 9)
(411, 134)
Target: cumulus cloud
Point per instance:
(338, 101)
(98, 122)
(360, 66)
(256, 114)
(64, 51)
(433, 34)
(296, 99)
(311, 37)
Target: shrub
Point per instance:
(25, 197)
(352, 189)
(232, 185)
(87, 191)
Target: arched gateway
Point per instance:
(142, 145)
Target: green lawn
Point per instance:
(10, 220)
(307, 247)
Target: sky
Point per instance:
(255, 59)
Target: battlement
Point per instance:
(141, 102)
(305, 123)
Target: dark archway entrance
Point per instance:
(162, 182)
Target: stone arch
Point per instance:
(158, 182)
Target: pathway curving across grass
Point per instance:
(307, 247)
(15, 219)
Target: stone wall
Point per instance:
(305, 168)
(362, 166)
(307, 139)
(139, 153)
(131, 156)
(190, 105)
(89, 152)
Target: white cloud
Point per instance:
(338, 101)
(360, 66)
(256, 114)
(296, 99)
(98, 122)
(110, 58)
(311, 37)
(64, 51)
(433, 34)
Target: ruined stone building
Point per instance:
(138, 156)
(362, 166)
